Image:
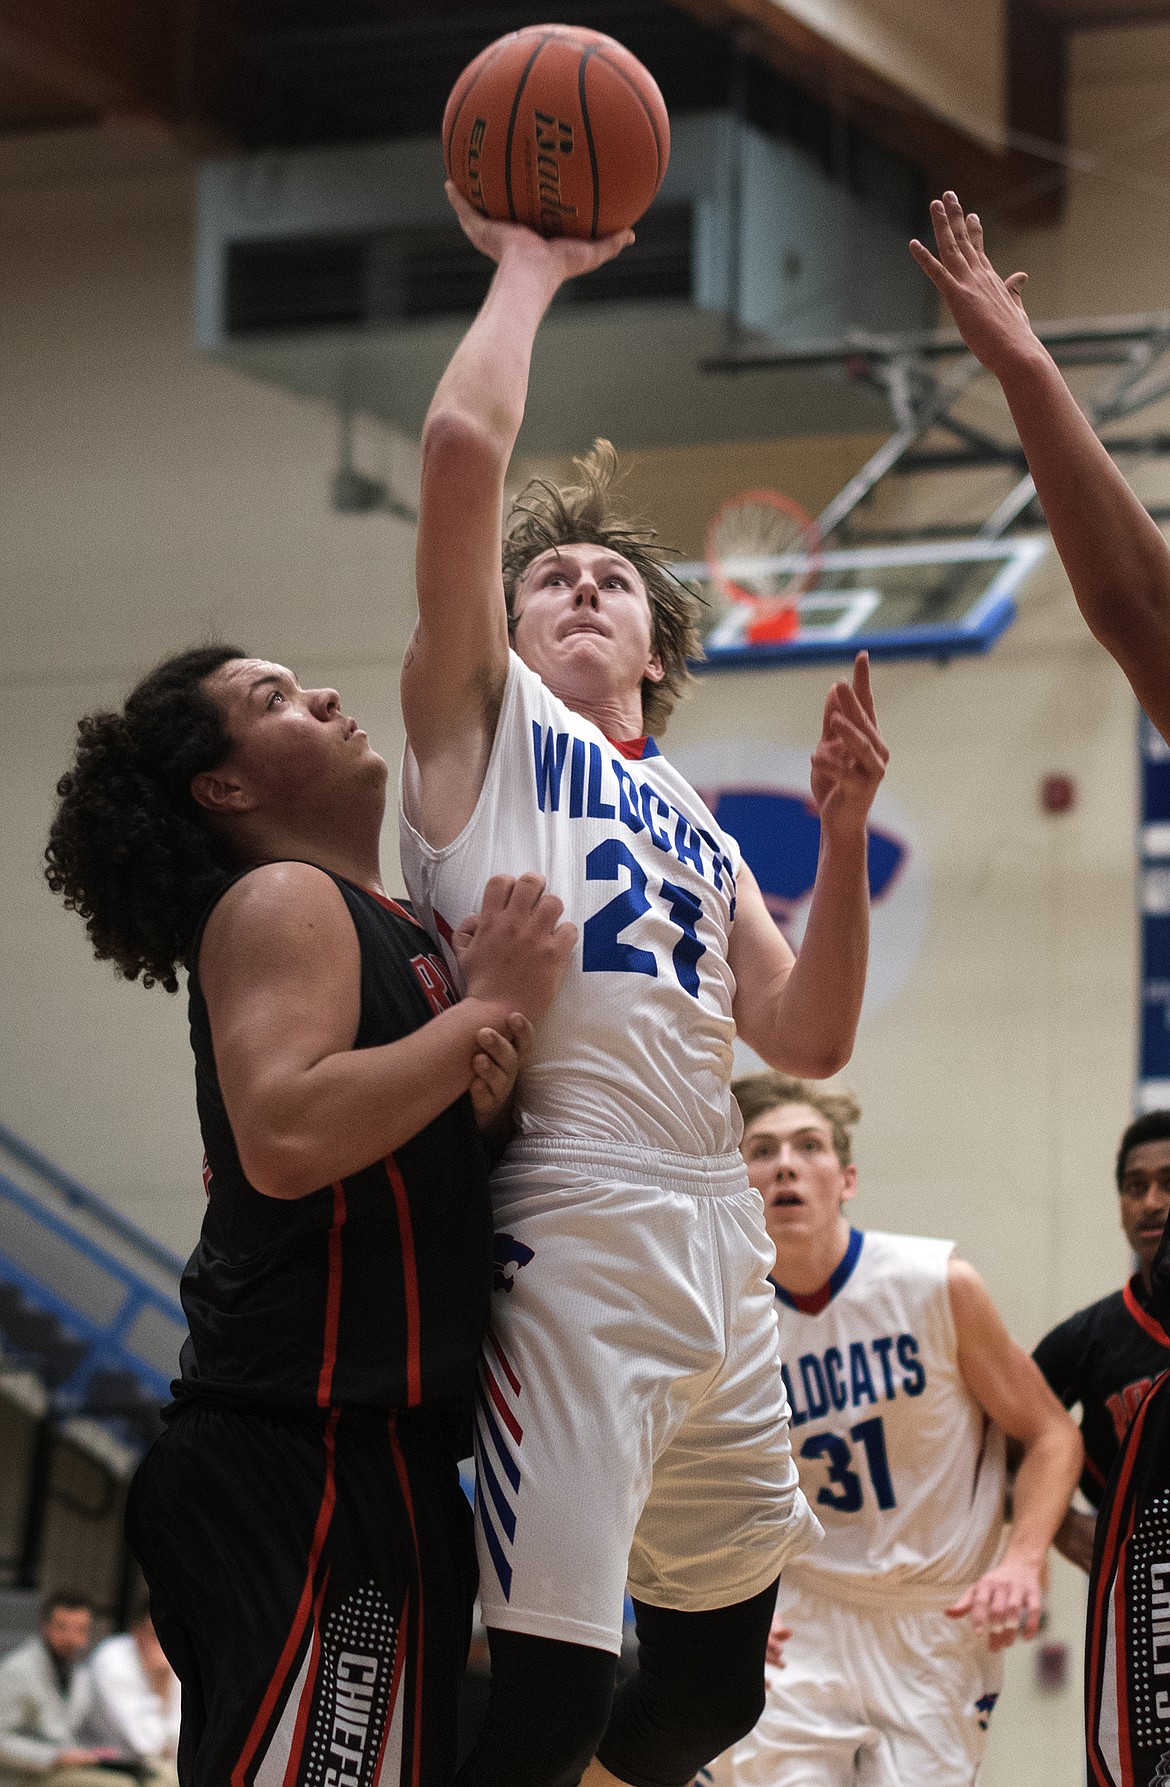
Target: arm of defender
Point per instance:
(454, 672)
(1115, 556)
(1010, 1388)
(280, 970)
(801, 1015)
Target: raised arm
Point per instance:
(1115, 556)
(280, 969)
(1010, 1388)
(454, 672)
(800, 1013)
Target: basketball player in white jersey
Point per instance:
(902, 1381)
(632, 1422)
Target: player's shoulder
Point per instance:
(266, 909)
(927, 1254)
(1096, 1322)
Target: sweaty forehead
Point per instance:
(579, 552)
(239, 676)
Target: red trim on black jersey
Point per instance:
(292, 1643)
(1110, 1589)
(404, 1484)
(409, 1285)
(441, 925)
(332, 1298)
(1143, 1318)
(394, 906)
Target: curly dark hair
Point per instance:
(130, 849)
(546, 515)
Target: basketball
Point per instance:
(559, 128)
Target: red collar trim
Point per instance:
(391, 905)
(1143, 1318)
(634, 749)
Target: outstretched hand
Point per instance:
(563, 257)
(850, 759)
(988, 311)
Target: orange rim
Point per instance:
(764, 524)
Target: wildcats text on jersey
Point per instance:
(832, 1380)
(636, 805)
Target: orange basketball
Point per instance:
(558, 128)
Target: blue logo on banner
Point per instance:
(780, 836)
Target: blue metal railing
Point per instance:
(79, 1195)
(110, 1317)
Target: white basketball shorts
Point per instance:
(868, 1699)
(631, 1422)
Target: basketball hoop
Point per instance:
(764, 551)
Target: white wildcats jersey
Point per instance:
(896, 1458)
(637, 1047)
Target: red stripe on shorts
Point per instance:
(292, 1643)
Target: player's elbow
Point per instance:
(809, 1058)
(459, 443)
(278, 1162)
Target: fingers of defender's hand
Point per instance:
(854, 715)
(496, 895)
(520, 1033)
(934, 269)
(960, 234)
(526, 894)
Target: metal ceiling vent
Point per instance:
(342, 275)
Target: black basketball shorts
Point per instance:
(1127, 1650)
(312, 1582)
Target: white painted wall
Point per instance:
(148, 498)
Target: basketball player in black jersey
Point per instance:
(1119, 567)
(1107, 1356)
(300, 1521)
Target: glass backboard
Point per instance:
(938, 599)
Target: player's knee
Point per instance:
(549, 1705)
(733, 1713)
(664, 1740)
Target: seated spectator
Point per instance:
(46, 1701)
(137, 1698)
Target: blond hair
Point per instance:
(756, 1093)
(546, 516)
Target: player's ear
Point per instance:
(218, 791)
(654, 671)
(848, 1183)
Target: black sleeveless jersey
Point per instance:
(1105, 1357)
(374, 1290)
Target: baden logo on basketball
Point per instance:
(554, 139)
(474, 153)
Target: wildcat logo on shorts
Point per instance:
(984, 1707)
(509, 1256)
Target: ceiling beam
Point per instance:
(984, 177)
(117, 59)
